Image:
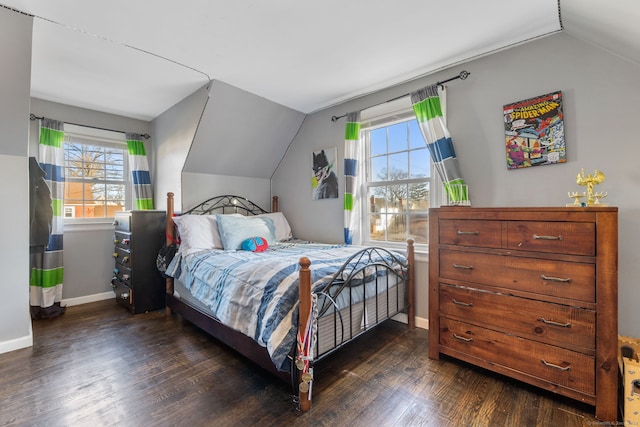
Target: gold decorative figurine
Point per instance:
(576, 198)
(593, 198)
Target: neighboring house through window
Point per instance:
(96, 171)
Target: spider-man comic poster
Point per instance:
(534, 132)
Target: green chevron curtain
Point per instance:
(143, 194)
(47, 268)
(428, 111)
(351, 150)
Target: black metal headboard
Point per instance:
(225, 205)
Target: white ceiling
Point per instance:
(137, 58)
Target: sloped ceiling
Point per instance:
(137, 58)
(241, 134)
(611, 25)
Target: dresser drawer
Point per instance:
(124, 294)
(122, 240)
(123, 274)
(122, 257)
(550, 323)
(553, 364)
(563, 279)
(571, 238)
(122, 221)
(467, 232)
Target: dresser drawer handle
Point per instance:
(464, 304)
(458, 337)
(551, 365)
(463, 267)
(536, 237)
(468, 233)
(551, 322)
(555, 279)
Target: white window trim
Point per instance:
(383, 115)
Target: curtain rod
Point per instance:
(462, 76)
(34, 117)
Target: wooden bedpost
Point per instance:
(304, 308)
(169, 238)
(411, 312)
(274, 204)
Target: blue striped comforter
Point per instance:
(257, 293)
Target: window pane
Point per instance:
(397, 198)
(115, 193)
(73, 191)
(377, 227)
(115, 166)
(398, 137)
(398, 166)
(94, 158)
(377, 201)
(378, 144)
(98, 192)
(419, 228)
(397, 227)
(418, 197)
(73, 160)
(379, 169)
(415, 134)
(419, 163)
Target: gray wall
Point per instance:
(88, 248)
(173, 133)
(600, 104)
(203, 186)
(235, 126)
(221, 140)
(15, 71)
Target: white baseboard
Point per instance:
(420, 321)
(88, 298)
(18, 343)
(27, 341)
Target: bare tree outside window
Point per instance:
(398, 183)
(95, 179)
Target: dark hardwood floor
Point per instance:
(97, 365)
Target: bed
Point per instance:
(285, 307)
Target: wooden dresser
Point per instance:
(531, 293)
(137, 283)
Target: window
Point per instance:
(398, 179)
(96, 173)
(69, 212)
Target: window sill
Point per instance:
(421, 252)
(76, 226)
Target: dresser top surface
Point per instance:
(527, 209)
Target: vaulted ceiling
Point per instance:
(137, 58)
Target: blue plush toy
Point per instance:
(255, 244)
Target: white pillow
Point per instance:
(283, 229)
(197, 232)
(236, 229)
